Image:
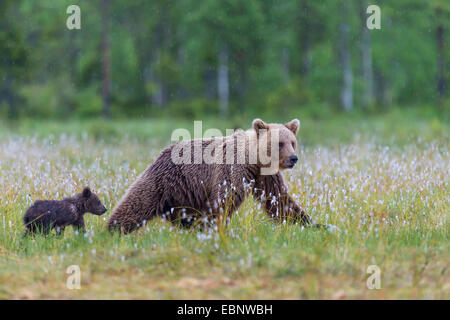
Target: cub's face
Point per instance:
(280, 142)
(92, 202)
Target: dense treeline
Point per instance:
(194, 58)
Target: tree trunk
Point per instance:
(440, 61)
(366, 53)
(106, 60)
(285, 64)
(306, 58)
(10, 99)
(210, 79)
(159, 97)
(345, 61)
(181, 92)
(145, 63)
(381, 89)
(241, 88)
(223, 86)
(74, 54)
(305, 40)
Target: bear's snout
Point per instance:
(103, 210)
(293, 159)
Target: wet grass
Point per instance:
(390, 200)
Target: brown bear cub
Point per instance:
(45, 215)
(211, 187)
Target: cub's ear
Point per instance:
(87, 192)
(293, 125)
(258, 124)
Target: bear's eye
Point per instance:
(293, 145)
(281, 144)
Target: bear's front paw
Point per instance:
(328, 227)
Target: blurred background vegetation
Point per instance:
(236, 59)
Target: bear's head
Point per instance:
(276, 144)
(91, 202)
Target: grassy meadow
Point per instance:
(384, 181)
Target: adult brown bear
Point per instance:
(203, 180)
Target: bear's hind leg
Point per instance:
(186, 218)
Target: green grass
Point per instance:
(382, 181)
(396, 127)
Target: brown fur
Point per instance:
(44, 215)
(188, 193)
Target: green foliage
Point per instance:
(42, 100)
(285, 98)
(327, 128)
(193, 109)
(88, 103)
(165, 57)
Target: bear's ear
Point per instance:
(87, 192)
(258, 124)
(293, 125)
